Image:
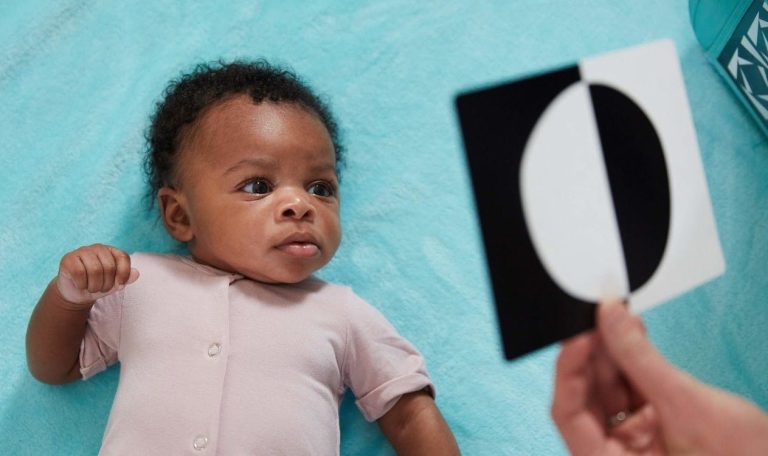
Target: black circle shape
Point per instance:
(637, 173)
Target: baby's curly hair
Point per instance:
(185, 98)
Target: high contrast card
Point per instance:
(588, 184)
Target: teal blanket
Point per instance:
(78, 80)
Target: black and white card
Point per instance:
(588, 184)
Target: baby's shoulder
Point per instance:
(341, 298)
(320, 290)
(163, 266)
(150, 260)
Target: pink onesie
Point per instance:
(214, 363)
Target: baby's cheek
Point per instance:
(334, 229)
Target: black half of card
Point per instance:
(496, 122)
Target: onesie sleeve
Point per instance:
(379, 365)
(98, 350)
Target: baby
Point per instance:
(236, 348)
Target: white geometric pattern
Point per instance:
(748, 65)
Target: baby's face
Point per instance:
(260, 188)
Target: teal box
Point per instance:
(734, 35)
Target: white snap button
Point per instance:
(214, 350)
(200, 442)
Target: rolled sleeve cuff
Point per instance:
(379, 401)
(90, 367)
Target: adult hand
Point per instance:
(616, 394)
(91, 272)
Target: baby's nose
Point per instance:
(296, 207)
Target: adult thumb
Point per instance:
(647, 370)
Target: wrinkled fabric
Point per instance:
(217, 362)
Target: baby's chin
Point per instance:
(280, 281)
(286, 274)
(282, 278)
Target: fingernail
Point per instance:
(613, 312)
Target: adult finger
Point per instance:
(571, 376)
(625, 340)
(571, 410)
(640, 430)
(614, 393)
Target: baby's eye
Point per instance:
(257, 187)
(321, 189)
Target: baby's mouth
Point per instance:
(300, 249)
(299, 244)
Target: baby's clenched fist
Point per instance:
(91, 272)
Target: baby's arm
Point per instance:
(58, 323)
(415, 426)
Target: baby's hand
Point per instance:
(91, 272)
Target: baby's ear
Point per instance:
(174, 212)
